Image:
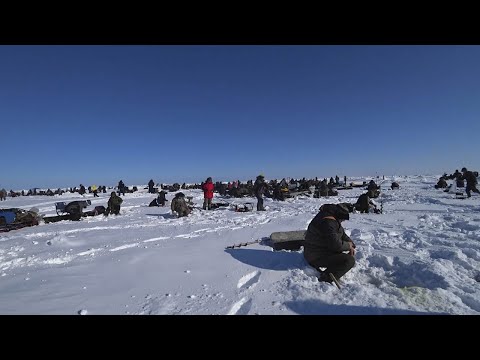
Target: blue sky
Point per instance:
(98, 114)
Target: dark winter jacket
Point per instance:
(160, 200)
(459, 181)
(442, 183)
(260, 187)
(161, 196)
(114, 200)
(470, 177)
(326, 237)
(363, 203)
(372, 186)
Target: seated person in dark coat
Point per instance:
(179, 205)
(326, 244)
(442, 183)
(160, 200)
(395, 185)
(364, 204)
(113, 205)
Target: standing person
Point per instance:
(259, 189)
(208, 188)
(326, 243)
(114, 204)
(471, 181)
(94, 190)
(121, 188)
(150, 186)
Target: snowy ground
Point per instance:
(421, 256)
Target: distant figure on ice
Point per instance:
(373, 190)
(455, 175)
(95, 190)
(114, 203)
(442, 183)
(259, 188)
(326, 244)
(159, 200)
(150, 186)
(208, 188)
(121, 188)
(3, 194)
(323, 189)
(179, 205)
(395, 185)
(471, 181)
(460, 181)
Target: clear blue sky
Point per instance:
(98, 114)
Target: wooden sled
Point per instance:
(288, 240)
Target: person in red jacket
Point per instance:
(208, 188)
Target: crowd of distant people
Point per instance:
(459, 179)
(327, 247)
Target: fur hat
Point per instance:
(338, 211)
(342, 212)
